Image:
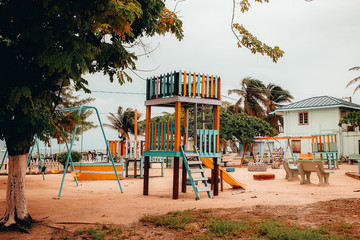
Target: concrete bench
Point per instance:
(291, 170)
(353, 158)
(306, 167)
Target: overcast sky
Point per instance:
(321, 40)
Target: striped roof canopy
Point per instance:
(318, 103)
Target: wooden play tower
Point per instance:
(184, 91)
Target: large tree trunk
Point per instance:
(16, 213)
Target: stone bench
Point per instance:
(306, 167)
(292, 172)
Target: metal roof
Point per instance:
(318, 103)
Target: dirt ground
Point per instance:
(101, 201)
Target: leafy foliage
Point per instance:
(75, 157)
(247, 40)
(352, 118)
(244, 127)
(124, 122)
(354, 80)
(48, 44)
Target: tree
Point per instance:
(354, 80)
(251, 96)
(274, 97)
(244, 127)
(352, 119)
(45, 46)
(124, 122)
(247, 40)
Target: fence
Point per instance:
(183, 84)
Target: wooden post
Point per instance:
(216, 177)
(177, 131)
(176, 178)
(184, 177)
(146, 176)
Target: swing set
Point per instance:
(77, 174)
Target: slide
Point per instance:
(226, 176)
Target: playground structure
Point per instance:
(184, 91)
(94, 169)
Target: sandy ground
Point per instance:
(102, 202)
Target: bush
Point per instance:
(75, 156)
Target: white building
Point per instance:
(319, 115)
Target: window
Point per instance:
(303, 118)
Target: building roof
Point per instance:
(318, 103)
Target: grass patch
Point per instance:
(277, 231)
(173, 220)
(92, 233)
(221, 227)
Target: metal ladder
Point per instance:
(193, 166)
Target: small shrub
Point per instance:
(345, 227)
(226, 227)
(75, 156)
(95, 234)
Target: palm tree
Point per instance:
(123, 122)
(251, 96)
(274, 97)
(355, 79)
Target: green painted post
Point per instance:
(28, 162)
(158, 138)
(152, 146)
(171, 85)
(180, 83)
(164, 137)
(151, 88)
(40, 161)
(108, 148)
(3, 160)
(198, 85)
(172, 127)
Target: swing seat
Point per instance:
(75, 174)
(54, 171)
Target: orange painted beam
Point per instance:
(278, 138)
(212, 87)
(203, 86)
(177, 132)
(162, 136)
(168, 136)
(219, 88)
(147, 128)
(194, 85)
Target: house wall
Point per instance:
(321, 121)
(350, 143)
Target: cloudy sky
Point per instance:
(321, 40)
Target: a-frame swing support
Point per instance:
(79, 110)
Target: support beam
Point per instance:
(184, 177)
(177, 131)
(216, 177)
(176, 178)
(146, 176)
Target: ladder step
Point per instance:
(197, 170)
(203, 189)
(200, 179)
(194, 162)
(191, 154)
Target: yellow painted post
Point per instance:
(194, 85)
(212, 87)
(177, 126)
(147, 128)
(203, 86)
